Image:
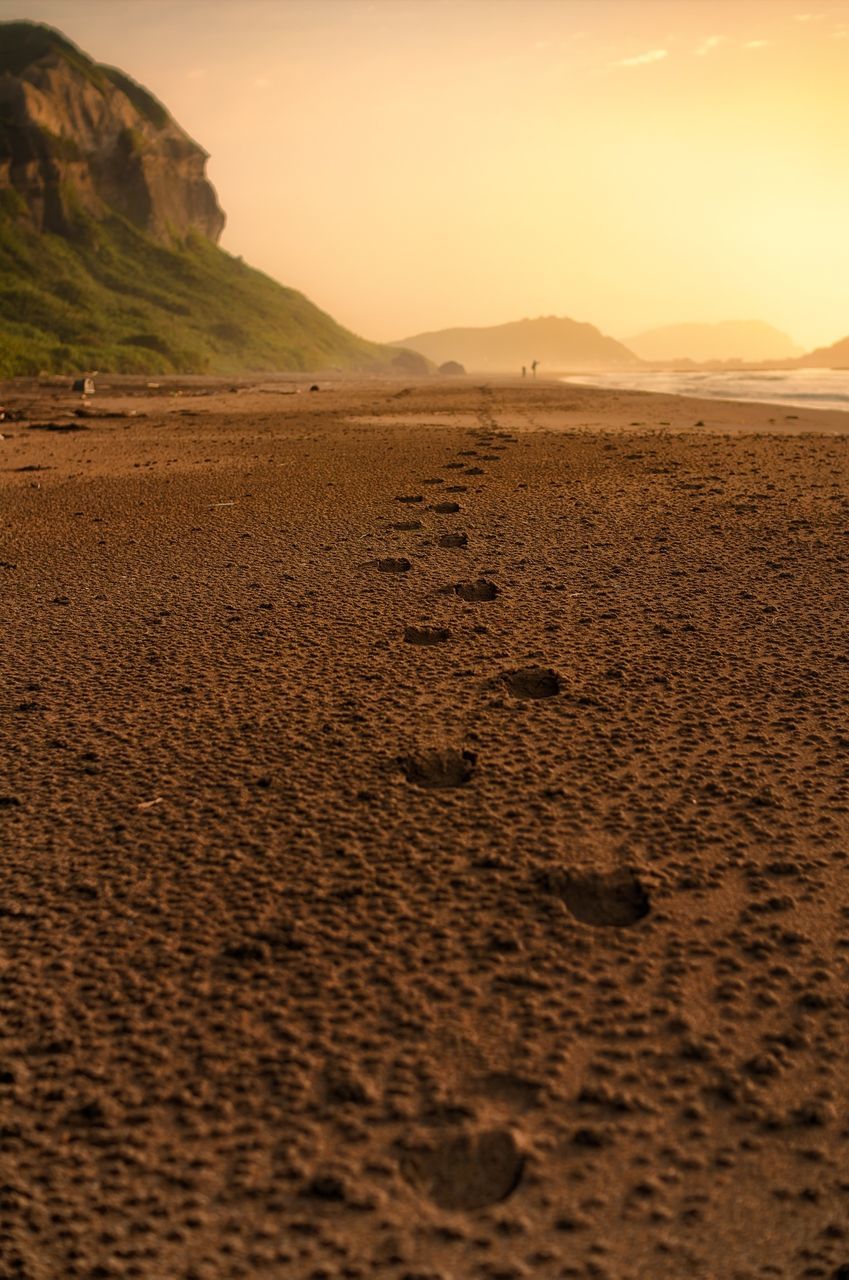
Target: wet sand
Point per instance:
(424, 821)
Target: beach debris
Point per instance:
(149, 804)
(57, 426)
(231, 503)
(84, 385)
(86, 412)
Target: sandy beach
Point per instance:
(425, 829)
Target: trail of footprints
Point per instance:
(467, 1169)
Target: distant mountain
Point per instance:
(108, 231)
(834, 357)
(556, 343)
(748, 340)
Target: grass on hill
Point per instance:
(115, 300)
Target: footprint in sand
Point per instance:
(466, 1170)
(473, 592)
(456, 488)
(505, 1089)
(406, 526)
(426, 635)
(454, 540)
(446, 508)
(532, 682)
(393, 565)
(437, 768)
(608, 899)
(410, 497)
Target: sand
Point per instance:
(389, 889)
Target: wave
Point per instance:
(804, 388)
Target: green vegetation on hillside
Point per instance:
(26, 42)
(113, 299)
(135, 285)
(143, 101)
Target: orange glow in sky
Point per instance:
(413, 164)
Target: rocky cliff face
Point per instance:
(78, 138)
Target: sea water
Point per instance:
(805, 388)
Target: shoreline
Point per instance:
(51, 428)
(814, 390)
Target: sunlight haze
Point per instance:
(412, 165)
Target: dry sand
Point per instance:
(380, 901)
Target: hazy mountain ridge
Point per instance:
(834, 357)
(557, 342)
(745, 340)
(108, 227)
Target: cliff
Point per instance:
(77, 137)
(557, 343)
(108, 230)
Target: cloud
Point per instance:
(642, 59)
(809, 17)
(708, 46)
(755, 44)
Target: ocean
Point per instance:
(805, 388)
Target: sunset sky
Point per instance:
(415, 164)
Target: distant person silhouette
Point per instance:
(524, 372)
(534, 367)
